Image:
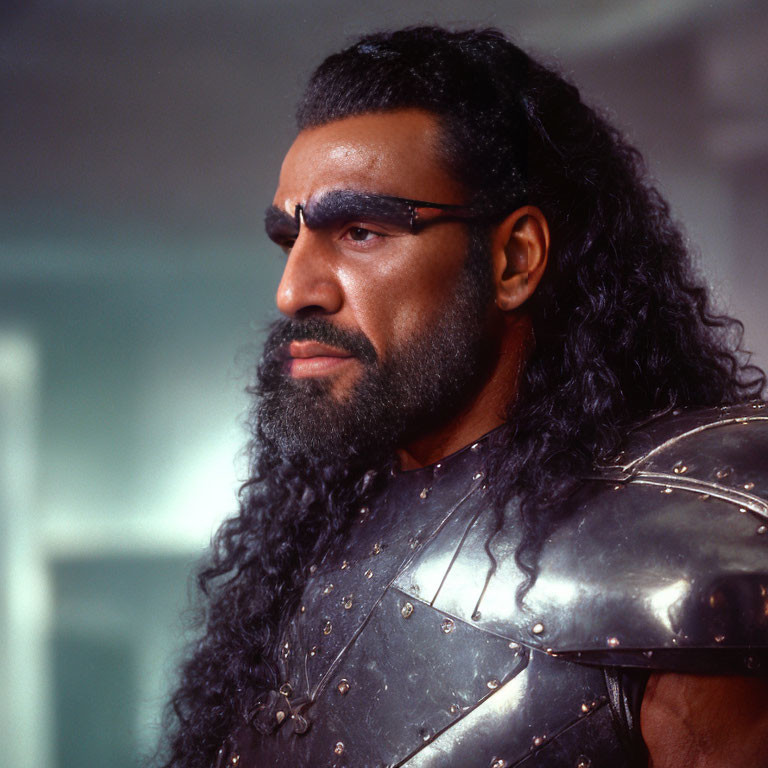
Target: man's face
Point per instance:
(379, 318)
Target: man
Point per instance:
(505, 507)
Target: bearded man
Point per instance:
(508, 492)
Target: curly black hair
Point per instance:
(623, 329)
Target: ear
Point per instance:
(519, 249)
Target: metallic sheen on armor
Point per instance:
(409, 648)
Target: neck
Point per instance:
(487, 409)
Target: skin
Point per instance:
(385, 281)
(705, 722)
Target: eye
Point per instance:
(361, 235)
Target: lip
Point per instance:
(311, 359)
(307, 349)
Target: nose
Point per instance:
(309, 284)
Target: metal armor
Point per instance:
(409, 648)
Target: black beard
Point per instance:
(422, 386)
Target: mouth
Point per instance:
(311, 359)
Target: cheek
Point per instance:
(391, 299)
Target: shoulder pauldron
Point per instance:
(662, 560)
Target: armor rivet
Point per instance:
(447, 625)
(723, 473)
(376, 548)
(438, 466)
(758, 406)
(328, 589)
(368, 574)
(585, 707)
(749, 486)
(680, 468)
(477, 475)
(364, 511)
(339, 748)
(286, 689)
(538, 741)
(648, 654)
(667, 490)
(719, 638)
(583, 762)
(762, 529)
(743, 510)
(454, 709)
(327, 628)
(751, 662)
(345, 565)
(425, 734)
(235, 759)
(493, 684)
(313, 650)
(613, 642)
(497, 762)
(347, 602)
(406, 610)
(537, 628)
(617, 487)
(343, 686)
(312, 568)
(704, 497)
(279, 716)
(414, 542)
(513, 645)
(303, 609)
(424, 493)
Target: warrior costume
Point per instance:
(409, 648)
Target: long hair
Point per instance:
(623, 329)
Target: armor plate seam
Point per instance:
(521, 668)
(456, 553)
(692, 485)
(559, 733)
(332, 666)
(696, 430)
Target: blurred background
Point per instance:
(139, 145)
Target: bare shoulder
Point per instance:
(706, 721)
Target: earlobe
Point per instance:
(520, 246)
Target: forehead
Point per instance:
(393, 153)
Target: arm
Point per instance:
(697, 721)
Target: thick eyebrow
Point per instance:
(341, 205)
(279, 225)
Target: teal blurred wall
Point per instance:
(122, 428)
(139, 145)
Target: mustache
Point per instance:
(282, 332)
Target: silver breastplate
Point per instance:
(376, 672)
